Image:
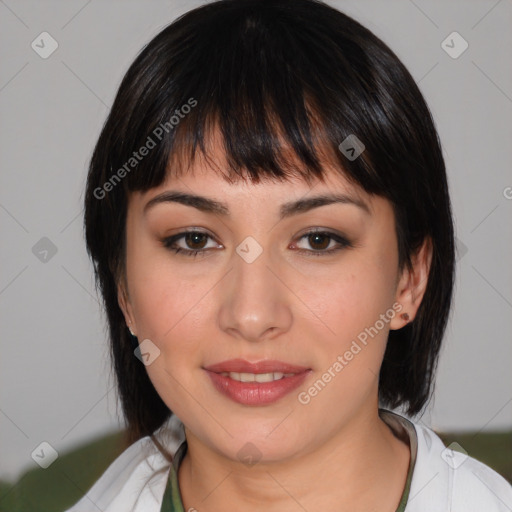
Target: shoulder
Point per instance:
(136, 480)
(445, 479)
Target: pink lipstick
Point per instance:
(256, 384)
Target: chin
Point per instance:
(253, 441)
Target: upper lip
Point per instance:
(265, 366)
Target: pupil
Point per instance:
(194, 238)
(319, 236)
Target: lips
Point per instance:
(266, 366)
(236, 380)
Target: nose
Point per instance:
(255, 303)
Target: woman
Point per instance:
(268, 215)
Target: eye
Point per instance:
(195, 243)
(324, 243)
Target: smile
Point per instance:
(256, 377)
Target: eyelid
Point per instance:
(169, 240)
(341, 240)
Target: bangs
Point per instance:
(256, 149)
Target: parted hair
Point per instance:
(274, 78)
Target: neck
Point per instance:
(363, 466)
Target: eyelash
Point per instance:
(169, 243)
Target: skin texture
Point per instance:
(333, 453)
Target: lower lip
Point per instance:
(257, 393)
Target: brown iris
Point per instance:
(315, 241)
(194, 240)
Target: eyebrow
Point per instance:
(208, 205)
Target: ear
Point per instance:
(124, 303)
(412, 285)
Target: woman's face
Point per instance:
(261, 289)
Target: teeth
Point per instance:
(256, 377)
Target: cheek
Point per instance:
(173, 308)
(354, 305)
(172, 313)
(165, 304)
(354, 297)
(159, 297)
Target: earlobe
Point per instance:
(412, 285)
(124, 304)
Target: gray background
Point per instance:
(55, 379)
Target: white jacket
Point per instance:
(443, 480)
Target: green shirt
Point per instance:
(401, 427)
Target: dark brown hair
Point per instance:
(268, 72)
